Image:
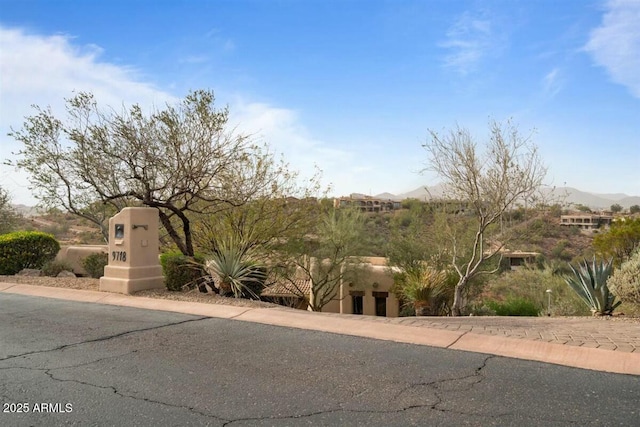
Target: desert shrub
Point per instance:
(407, 310)
(53, 268)
(514, 307)
(531, 283)
(560, 251)
(26, 249)
(57, 230)
(180, 270)
(94, 264)
(625, 281)
(481, 310)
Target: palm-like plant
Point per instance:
(238, 275)
(590, 283)
(422, 286)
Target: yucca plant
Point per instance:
(422, 288)
(237, 274)
(590, 283)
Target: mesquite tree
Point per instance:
(183, 160)
(8, 216)
(489, 180)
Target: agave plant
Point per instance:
(590, 283)
(422, 288)
(235, 271)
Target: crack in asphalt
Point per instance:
(433, 385)
(49, 373)
(106, 338)
(479, 376)
(71, 366)
(438, 393)
(283, 417)
(477, 373)
(226, 422)
(115, 391)
(240, 314)
(457, 339)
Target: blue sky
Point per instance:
(350, 86)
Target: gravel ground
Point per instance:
(90, 284)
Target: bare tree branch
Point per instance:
(490, 180)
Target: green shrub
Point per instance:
(514, 307)
(560, 251)
(53, 268)
(180, 270)
(94, 264)
(531, 284)
(26, 249)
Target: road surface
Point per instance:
(72, 363)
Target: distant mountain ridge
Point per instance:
(565, 195)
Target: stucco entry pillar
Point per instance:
(134, 246)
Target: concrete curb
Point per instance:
(579, 357)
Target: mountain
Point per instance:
(566, 196)
(569, 196)
(615, 196)
(389, 196)
(424, 193)
(27, 211)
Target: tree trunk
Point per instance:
(225, 288)
(423, 308)
(458, 299)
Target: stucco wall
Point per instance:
(74, 255)
(376, 278)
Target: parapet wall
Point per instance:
(74, 255)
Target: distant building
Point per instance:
(517, 259)
(366, 203)
(586, 221)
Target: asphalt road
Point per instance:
(71, 363)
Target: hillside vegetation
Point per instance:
(67, 228)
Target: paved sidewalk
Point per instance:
(608, 345)
(591, 332)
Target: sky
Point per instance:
(350, 87)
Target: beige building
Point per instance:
(372, 295)
(585, 221)
(517, 259)
(366, 203)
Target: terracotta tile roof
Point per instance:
(297, 288)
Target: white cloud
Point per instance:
(469, 40)
(348, 166)
(615, 44)
(552, 83)
(194, 59)
(282, 129)
(43, 70)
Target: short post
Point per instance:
(134, 246)
(548, 291)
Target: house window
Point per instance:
(357, 298)
(381, 303)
